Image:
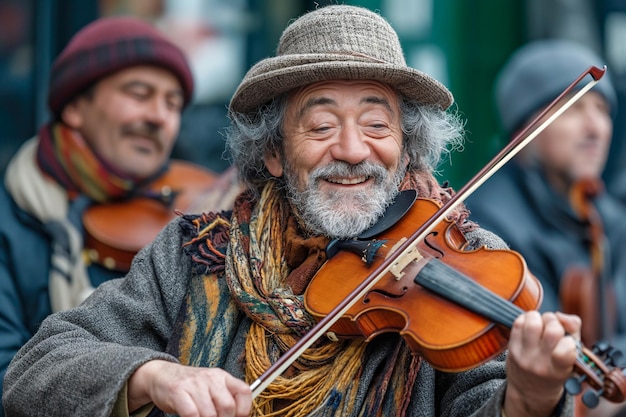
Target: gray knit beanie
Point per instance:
(537, 73)
(331, 43)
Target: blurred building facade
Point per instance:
(461, 42)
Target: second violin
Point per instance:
(116, 231)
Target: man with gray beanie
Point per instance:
(334, 136)
(116, 93)
(549, 203)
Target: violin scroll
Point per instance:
(601, 368)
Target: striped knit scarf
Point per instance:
(258, 263)
(65, 156)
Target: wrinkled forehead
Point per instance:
(343, 93)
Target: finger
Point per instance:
(232, 398)
(553, 330)
(565, 353)
(187, 396)
(223, 400)
(184, 405)
(243, 404)
(555, 341)
(530, 329)
(571, 323)
(242, 395)
(205, 405)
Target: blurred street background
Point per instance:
(462, 43)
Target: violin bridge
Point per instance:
(412, 254)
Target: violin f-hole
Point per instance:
(385, 293)
(439, 252)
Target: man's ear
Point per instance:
(71, 115)
(273, 163)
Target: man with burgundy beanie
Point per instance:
(116, 94)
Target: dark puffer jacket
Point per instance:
(24, 269)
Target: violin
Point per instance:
(424, 258)
(444, 286)
(115, 232)
(585, 291)
(433, 291)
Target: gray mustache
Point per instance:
(343, 169)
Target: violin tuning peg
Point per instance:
(616, 358)
(573, 385)
(591, 398)
(600, 347)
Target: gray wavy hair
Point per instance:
(429, 134)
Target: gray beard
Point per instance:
(343, 214)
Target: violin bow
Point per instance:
(404, 253)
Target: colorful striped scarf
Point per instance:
(65, 156)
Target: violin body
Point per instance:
(586, 290)
(115, 232)
(579, 295)
(447, 335)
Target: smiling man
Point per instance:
(116, 94)
(325, 135)
(130, 118)
(344, 163)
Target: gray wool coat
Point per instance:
(78, 363)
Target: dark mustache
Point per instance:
(146, 129)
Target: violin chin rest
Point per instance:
(396, 210)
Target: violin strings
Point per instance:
(460, 289)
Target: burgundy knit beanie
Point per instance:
(108, 45)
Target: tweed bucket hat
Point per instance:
(331, 43)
